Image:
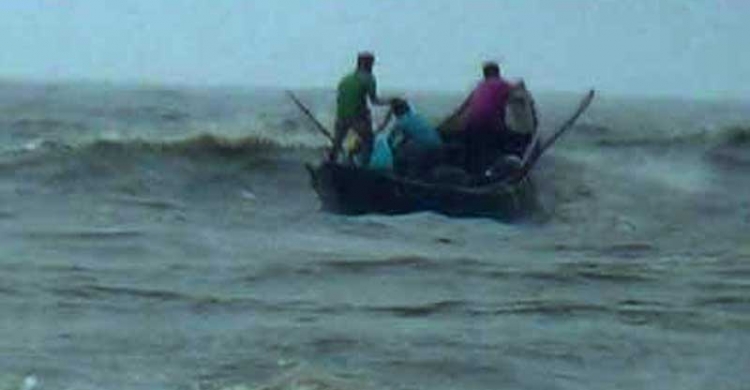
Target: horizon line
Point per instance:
(166, 84)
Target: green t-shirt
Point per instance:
(353, 91)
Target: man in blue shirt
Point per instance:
(415, 144)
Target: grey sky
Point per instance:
(692, 48)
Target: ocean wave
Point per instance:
(150, 202)
(735, 136)
(660, 140)
(732, 148)
(203, 144)
(86, 234)
(44, 125)
(398, 262)
(18, 381)
(73, 294)
(726, 136)
(159, 175)
(198, 146)
(100, 292)
(149, 114)
(303, 376)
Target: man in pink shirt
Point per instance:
(482, 117)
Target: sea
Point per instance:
(168, 237)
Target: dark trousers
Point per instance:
(515, 143)
(485, 143)
(482, 148)
(362, 125)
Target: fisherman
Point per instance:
(415, 144)
(352, 111)
(482, 118)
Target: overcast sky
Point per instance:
(691, 48)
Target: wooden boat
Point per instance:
(352, 190)
(349, 189)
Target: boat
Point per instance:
(505, 194)
(352, 190)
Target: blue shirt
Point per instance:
(415, 129)
(382, 156)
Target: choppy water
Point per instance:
(155, 238)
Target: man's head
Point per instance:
(399, 106)
(491, 69)
(365, 61)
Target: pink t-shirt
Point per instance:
(487, 102)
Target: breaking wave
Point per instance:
(735, 136)
(732, 148)
(606, 137)
(200, 146)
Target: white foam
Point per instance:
(29, 382)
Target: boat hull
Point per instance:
(352, 190)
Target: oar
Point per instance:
(533, 154)
(310, 116)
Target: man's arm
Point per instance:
(377, 100)
(385, 121)
(372, 93)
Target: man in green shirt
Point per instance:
(352, 110)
